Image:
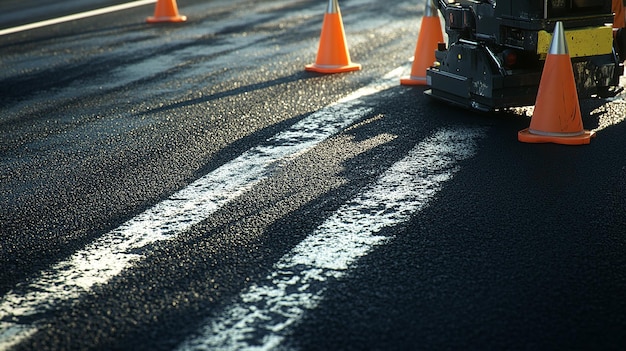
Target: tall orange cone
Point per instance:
(166, 11)
(428, 39)
(332, 54)
(557, 118)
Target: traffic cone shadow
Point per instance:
(557, 118)
(332, 54)
(428, 39)
(166, 11)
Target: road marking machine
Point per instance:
(497, 49)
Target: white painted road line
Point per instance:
(76, 16)
(117, 250)
(300, 278)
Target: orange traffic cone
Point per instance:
(429, 37)
(556, 118)
(166, 11)
(332, 54)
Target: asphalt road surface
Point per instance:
(189, 186)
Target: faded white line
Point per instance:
(612, 113)
(76, 16)
(109, 255)
(264, 313)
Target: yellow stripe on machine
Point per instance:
(580, 42)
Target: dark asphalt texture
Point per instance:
(102, 118)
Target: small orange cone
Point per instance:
(166, 11)
(332, 54)
(557, 118)
(429, 37)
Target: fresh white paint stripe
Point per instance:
(76, 16)
(109, 255)
(269, 309)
